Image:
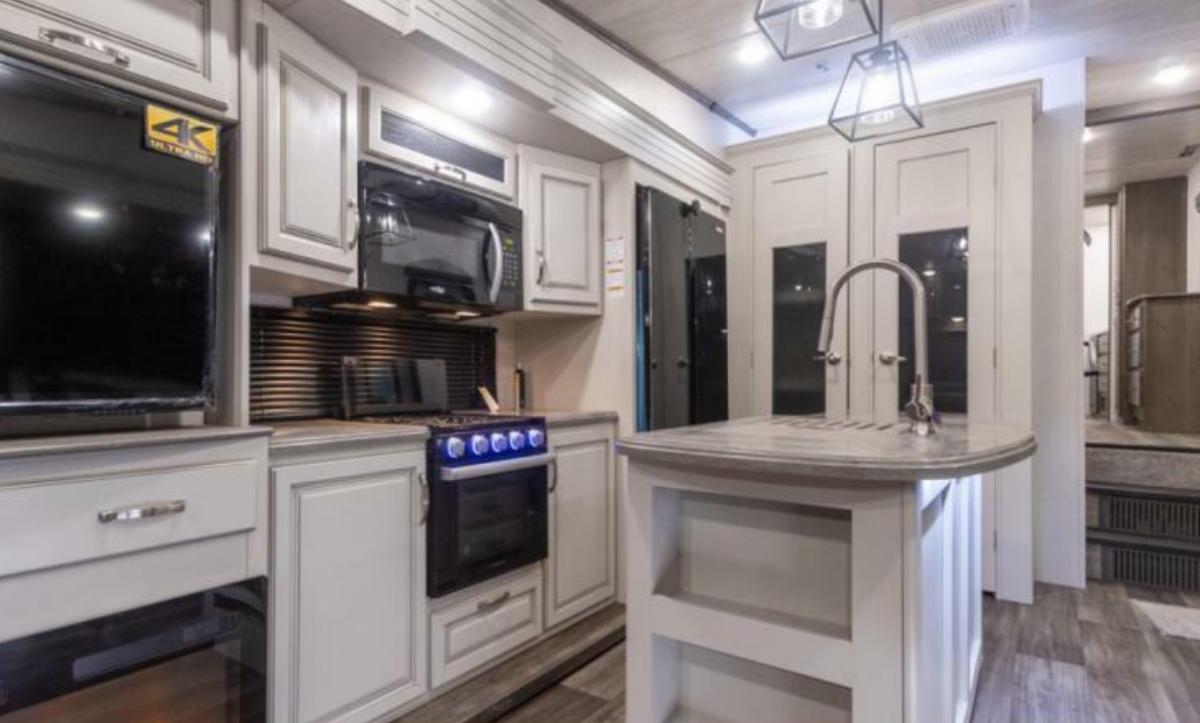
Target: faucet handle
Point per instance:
(831, 357)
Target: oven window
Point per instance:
(199, 658)
(486, 526)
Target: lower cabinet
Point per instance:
(480, 624)
(581, 571)
(348, 582)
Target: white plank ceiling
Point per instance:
(1125, 42)
(1140, 150)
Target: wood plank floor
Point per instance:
(1074, 656)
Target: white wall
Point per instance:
(1058, 389)
(1193, 229)
(1096, 259)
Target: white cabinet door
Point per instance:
(560, 196)
(581, 572)
(182, 47)
(307, 103)
(348, 580)
(801, 226)
(935, 210)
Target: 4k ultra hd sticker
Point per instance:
(182, 136)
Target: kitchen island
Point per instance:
(786, 569)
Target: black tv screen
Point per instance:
(106, 253)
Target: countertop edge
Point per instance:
(866, 470)
(25, 447)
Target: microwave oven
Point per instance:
(429, 246)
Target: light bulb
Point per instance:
(878, 97)
(820, 13)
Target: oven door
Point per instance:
(484, 526)
(201, 658)
(425, 241)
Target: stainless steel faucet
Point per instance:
(920, 404)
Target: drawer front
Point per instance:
(183, 46)
(62, 522)
(485, 625)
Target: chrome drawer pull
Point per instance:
(497, 602)
(52, 36)
(140, 512)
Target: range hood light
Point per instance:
(381, 304)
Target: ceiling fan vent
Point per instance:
(962, 27)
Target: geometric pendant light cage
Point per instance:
(802, 27)
(878, 96)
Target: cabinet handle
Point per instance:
(890, 357)
(353, 206)
(141, 512)
(541, 275)
(424, 497)
(552, 470)
(449, 170)
(494, 602)
(52, 36)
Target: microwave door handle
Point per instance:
(498, 270)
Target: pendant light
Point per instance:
(801, 27)
(878, 96)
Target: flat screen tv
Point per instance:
(107, 284)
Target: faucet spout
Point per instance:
(920, 406)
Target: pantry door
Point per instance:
(935, 210)
(801, 243)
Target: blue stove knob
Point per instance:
(499, 442)
(536, 438)
(516, 440)
(479, 445)
(455, 448)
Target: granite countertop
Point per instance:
(317, 432)
(814, 448)
(109, 441)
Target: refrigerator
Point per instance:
(682, 350)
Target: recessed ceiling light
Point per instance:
(929, 272)
(1172, 75)
(1088, 135)
(472, 100)
(753, 52)
(88, 212)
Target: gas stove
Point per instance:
(486, 479)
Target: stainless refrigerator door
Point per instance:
(681, 263)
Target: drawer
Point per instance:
(484, 625)
(81, 518)
(185, 49)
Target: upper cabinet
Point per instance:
(401, 129)
(302, 209)
(560, 196)
(181, 49)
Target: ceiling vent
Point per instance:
(962, 27)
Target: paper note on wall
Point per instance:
(614, 266)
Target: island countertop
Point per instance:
(817, 448)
